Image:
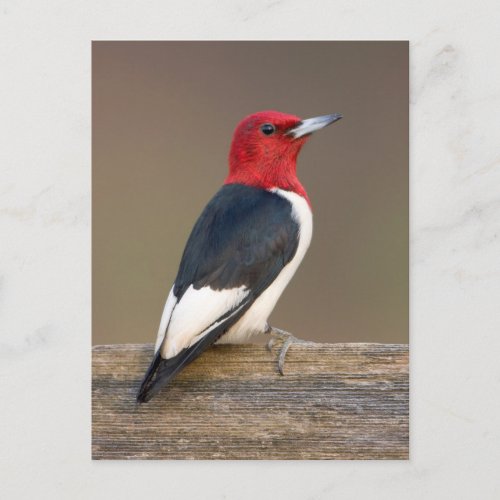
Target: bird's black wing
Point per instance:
(242, 241)
(245, 236)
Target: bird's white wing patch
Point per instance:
(195, 315)
(165, 318)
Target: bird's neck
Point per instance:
(281, 174)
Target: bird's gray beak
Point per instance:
(310, 125)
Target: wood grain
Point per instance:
(336, 401)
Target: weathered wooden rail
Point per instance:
(336, 401)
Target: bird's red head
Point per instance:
(265, 148)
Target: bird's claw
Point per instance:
(287, 339)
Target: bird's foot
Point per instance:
(287, 339)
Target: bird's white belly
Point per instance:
(255, 319)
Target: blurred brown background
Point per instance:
(163, 116)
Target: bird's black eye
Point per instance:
(267, 129)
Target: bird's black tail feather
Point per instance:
(161, 371)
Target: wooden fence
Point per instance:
(335, 401)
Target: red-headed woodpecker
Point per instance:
(243, 250)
